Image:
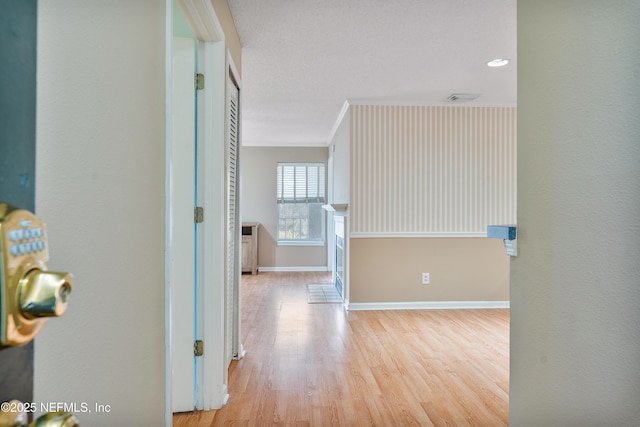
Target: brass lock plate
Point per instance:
(23, 249)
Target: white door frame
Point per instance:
(168, 87)
(215, 393)
(216, 64)
(181, 225)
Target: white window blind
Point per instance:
(300, 183)
(300, 196)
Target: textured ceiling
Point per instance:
(302, 59)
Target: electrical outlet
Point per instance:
(425, 279)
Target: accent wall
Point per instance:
(425, 181)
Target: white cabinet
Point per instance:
(250, 247)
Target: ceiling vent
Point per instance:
(462, 97)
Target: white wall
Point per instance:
(100, 189)
(575, 294)
(340, 147)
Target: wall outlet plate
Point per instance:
(426, 279)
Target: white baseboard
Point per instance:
(428, 305)
(293, 269)
(241, 353)
(363, 235)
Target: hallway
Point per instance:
(318, 365)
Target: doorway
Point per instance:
(207, 319)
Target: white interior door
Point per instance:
(182, 201)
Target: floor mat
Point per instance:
(323, 293)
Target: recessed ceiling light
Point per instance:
(499, 62)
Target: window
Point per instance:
(300, 196)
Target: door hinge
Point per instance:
(199, 81)
(198, 348)
(198, 214)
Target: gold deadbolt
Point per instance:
(28, 292)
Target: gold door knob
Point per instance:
(44, 293)
(11, 414)
(56, 419)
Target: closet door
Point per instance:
(233, 229)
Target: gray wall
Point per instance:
(258, 204)
(575, 285)
(101, 191)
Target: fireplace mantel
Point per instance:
(337, 208)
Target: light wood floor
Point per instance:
(318, 365)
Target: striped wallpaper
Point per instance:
(418, 170)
